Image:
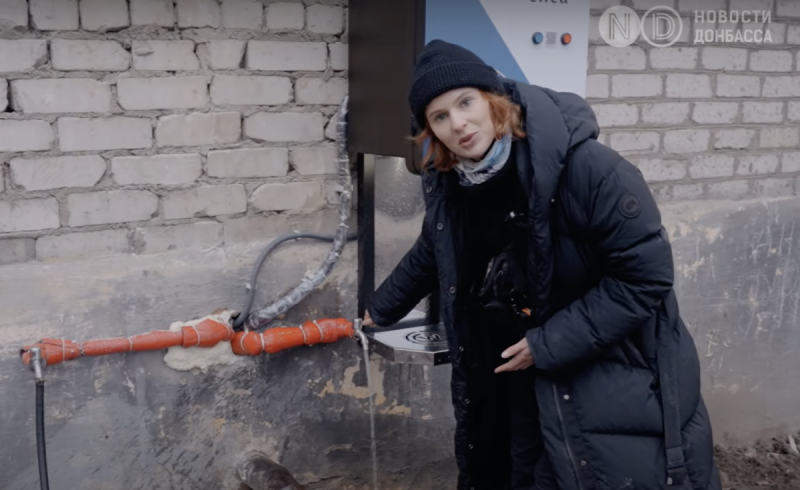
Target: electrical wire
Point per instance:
(245, 313)
(41, 450)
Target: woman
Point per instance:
(556, 278)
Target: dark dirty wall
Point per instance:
(130, 421)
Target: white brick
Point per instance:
(733, 139)
(665, 113)
(603, 4)
(88, 244)
(790, 163)
(728, 59)
(242, 14)
(60, 95)
(711, 166)
(780, 138)
(198, 13)
(687, 192)
(152, 12)
(3, 94)
(738, 86)
(735, 189)
(164, 238)
(101, 208)
(597, 86)
(339, 56)
(740, 5)
(104, 15)
(206, 201)
(687, 86)
(636, 85)
(14, 250)
(39, 174)
(285, 16)
(164, 56)
(715, 112)
(294, 196)
(774, 187)
(648, 4)
(141, 94)
(681, 58)
(286, 126)
(771, 61)
(793, 35)
(686, 140)
(325, 19)
(250, 90)
(788, 8)
(762, 112)
(199, 129)
(248, 163)
(610, 115)
(611, 58)
(287, 56)
(28, 215)
(113, 133)
(14, 13)
(787, 86)
(659, 170)
(54, 15)
(691, 6)
(793, 113)
(314, 161)
(757, 164)
(320, 91)
(646, 141)
(81, 55)
(225, 54)
(777, 31)
(157, 169)
(25, 135)
(22, 55)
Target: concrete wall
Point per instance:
(150, 148)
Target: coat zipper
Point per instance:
(566, 440)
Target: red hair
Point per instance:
(506, 116)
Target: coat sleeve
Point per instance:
(411, 280)
(625, 228)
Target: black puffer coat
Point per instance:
(609, 346)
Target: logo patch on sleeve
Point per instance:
(629, 205)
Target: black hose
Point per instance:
(260, 261)
(40, 442)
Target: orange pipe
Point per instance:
(207, 333)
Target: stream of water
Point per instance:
(372, 422)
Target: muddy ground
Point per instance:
(772, 464)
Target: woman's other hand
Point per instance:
(521, 357)
(367, 320)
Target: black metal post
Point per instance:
(365, 184)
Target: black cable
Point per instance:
(260, 261)
(40, 442)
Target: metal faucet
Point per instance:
(359, 328)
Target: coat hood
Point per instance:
(555, 123)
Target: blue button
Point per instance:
(538, 38)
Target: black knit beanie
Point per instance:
(443, 66)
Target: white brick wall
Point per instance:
(208, 117)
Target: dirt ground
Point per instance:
(772, 464)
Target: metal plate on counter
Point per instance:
(419, 344)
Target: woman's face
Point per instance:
(462, 120)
